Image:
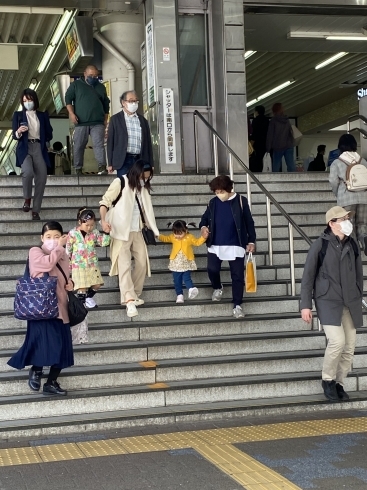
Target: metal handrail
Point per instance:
(355, 117)
(362, 131)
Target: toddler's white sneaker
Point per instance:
(193, 292)
(180, 298)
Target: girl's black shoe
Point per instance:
(34, 380)
(53, 388)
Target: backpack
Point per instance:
(323, 250)
(356, 176)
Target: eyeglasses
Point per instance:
(132, 101)
(338, 220)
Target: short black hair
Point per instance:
(221, 183)
(30, 94)
(260, 109)
(52, 225)
(179, 227)
(58, 146)
(321, 148)
(347, 142)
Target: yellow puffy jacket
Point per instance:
(185, 245)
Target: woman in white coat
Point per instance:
(120, 217)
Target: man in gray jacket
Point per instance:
(333, 276)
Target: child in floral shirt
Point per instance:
(81, 248)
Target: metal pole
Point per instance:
(197, 163)
(231, 173)
(348, 126)
(215, 154)
(291, 259)
(270, 231)
(248, 186)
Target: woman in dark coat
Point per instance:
(333, 276)
(33, 131)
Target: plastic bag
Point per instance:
(267, 163)
(251, 278)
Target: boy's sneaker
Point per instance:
(193, 292)
(180, 298)
(217, 294)
(90, 303)
(139, 302)
(237, 312)
(131, 309)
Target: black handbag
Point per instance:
(147, 233)
(76, 310)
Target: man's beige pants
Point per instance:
(131, 282)
(339, 352)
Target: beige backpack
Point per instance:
(356, 176)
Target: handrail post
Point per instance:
(231, 171)
(197, 163)
(291, 259)
(248, 187)
(348, 126)
(270, 231)
(215, 154)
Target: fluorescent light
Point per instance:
(346, 38)
(248, 54)
(6, 138)
(61, 27)
(330, 60)
(271, 92)
(45, 58)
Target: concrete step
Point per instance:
(169, 395)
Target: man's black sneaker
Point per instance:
(330, 390)
(341, 393)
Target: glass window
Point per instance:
(194, 90)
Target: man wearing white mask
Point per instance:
(333, 277)
(128, 137)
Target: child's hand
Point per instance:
(69, 286)
(62, 240)
(205, 232)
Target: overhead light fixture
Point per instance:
(248, 54)
(57, 35)
(6, 138)
(271, 92)
(33, 84)
(330, 60)
(331, 36)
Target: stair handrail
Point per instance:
(292, 225)
(355, 117)
(362, 131)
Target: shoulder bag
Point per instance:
(35, 297)
(148, 234)
(76, 310)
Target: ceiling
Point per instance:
(279, 59)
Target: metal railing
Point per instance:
(292, 225)
(357, 117)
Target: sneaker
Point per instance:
(102, 171)
(34, 379)
(180, 298)
(90, 303)
(53, 388)
(131, 309)
(330, 392)
(342, 395)
(193, 292)
(35, 217)
(237, 312)
(78, 171)
(217, 294)
(139, 302)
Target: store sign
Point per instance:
(362, 92)
(169, 126)
(149, 52)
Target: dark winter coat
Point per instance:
(339, 282)
(279, 135)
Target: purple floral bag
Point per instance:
(35, 298)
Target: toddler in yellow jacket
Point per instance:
(182, 259)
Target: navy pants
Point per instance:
(128, 163)
(180, 278)
(237, 268)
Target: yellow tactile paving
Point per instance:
(215, 445)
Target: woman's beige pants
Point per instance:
(340, 349)
(131, 281)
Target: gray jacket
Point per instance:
(338, 171)
(339, 282)
(280, 136)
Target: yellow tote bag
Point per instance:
(251, 279)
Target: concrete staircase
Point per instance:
(174, 362)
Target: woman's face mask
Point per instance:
(50, 243)
(223, 196)
(346, 227)
(29, 105)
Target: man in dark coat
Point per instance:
(128, 137)
(318, 165)
(260, 126)
(333, 276)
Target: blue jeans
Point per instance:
(182, 277)
(288, 155)
(128, 163)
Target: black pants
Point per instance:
(237, 268)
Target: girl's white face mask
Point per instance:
(346, 227)
(50, 244)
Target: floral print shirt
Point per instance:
(82, 249)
